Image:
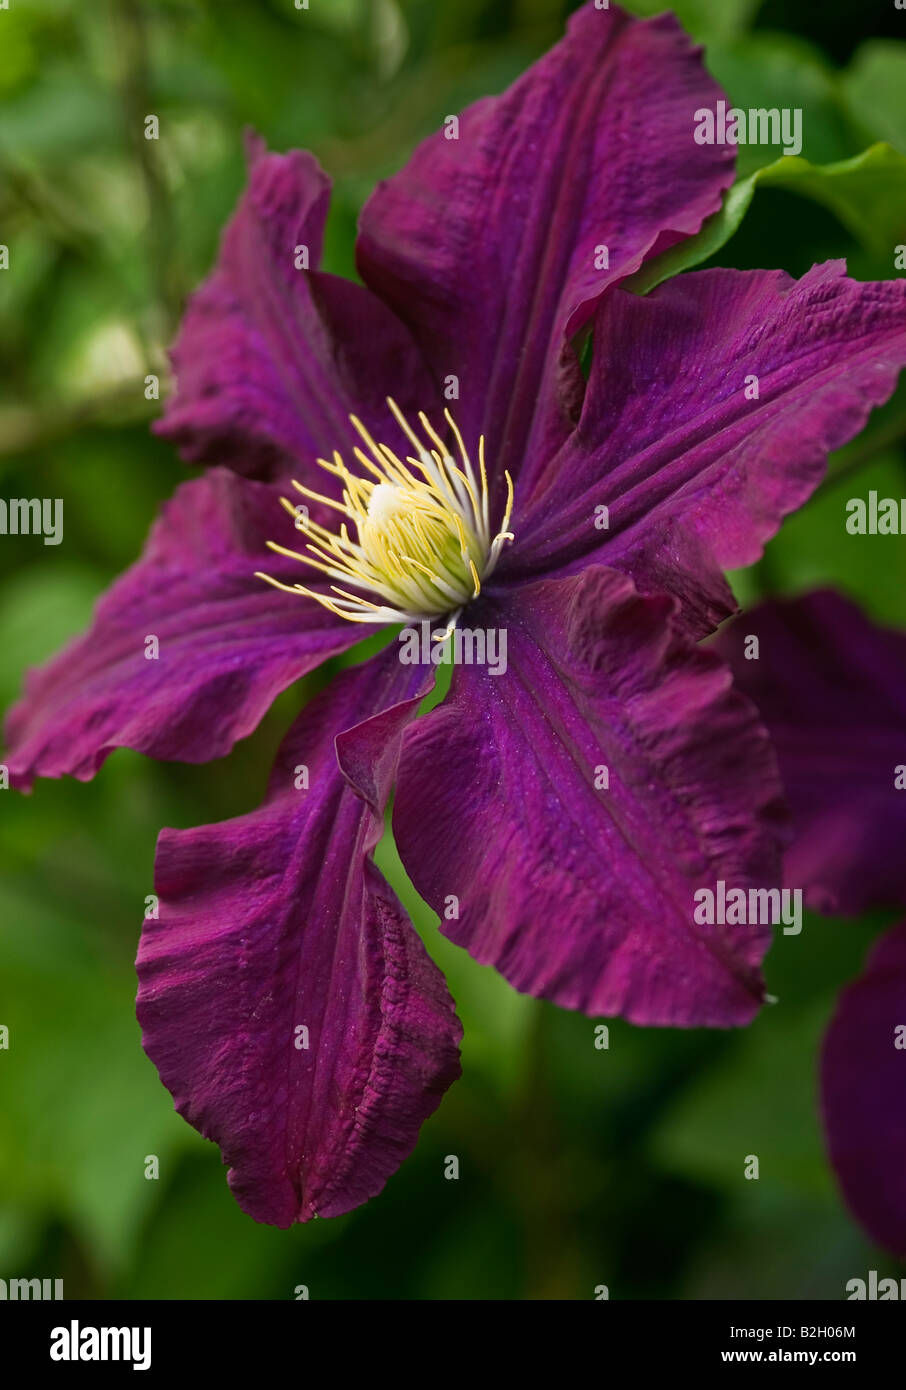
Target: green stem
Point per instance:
(137, 102)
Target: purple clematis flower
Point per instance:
(559, 816)
(831, 687)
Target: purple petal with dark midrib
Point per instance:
(579, 894)
(696, 475)
(486, 245)
(227, 642)
(279, 920)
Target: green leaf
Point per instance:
(715, 233)
(814, 549)
(779, 70)
(867, 193)
(873, 87)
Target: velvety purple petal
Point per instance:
(831, 688)
(227, 643)
(863, 1082)
(696, 471)
(577, 893)
(488, 244)
(279, 922)
(272, 359)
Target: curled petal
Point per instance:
(273, 354)
(284, 996)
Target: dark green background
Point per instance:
(579, 1167)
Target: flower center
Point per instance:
(423, 541)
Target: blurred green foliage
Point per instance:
(579, 1166)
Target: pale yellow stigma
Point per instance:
(423, 542)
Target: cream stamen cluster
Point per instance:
(423, 541)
